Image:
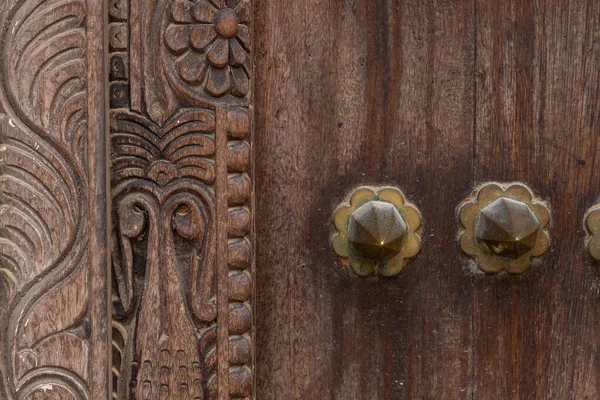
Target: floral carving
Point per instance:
(211, 43)
(405, 244)
(503, 227)
(163, 253)
(181, 185)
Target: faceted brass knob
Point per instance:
(504, 226)
(507, 228)
(377, 231)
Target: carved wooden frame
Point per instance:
(125, 140)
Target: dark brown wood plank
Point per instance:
(351, 93)
(538, 122)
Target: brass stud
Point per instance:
(592, 229)
(503, 227)
(377, 231)
(507, 228)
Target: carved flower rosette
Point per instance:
(209, 42)
(470, 212)
(410, 247)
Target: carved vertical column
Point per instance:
(180, 174)
(53, 267)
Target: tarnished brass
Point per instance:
(377, 231)
(507, 228)
(592, 229)
(503, 227)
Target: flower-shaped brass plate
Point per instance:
(503, 227)
(592, 229)
(377, 231)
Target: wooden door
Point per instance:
(186, 187)
(435, 98)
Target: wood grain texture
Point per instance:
(538, 122)
(99, 204)
(351, 93)
(54, 335)
(387, 93)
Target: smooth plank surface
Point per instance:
(538, 121)
(351, 93)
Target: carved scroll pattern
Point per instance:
(44, 317)
(179, 72)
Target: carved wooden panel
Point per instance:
(176, 178)
(180, 176)
(53, 268)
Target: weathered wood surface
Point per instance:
(433, 97)
(538, 122)
(352, 93)
(54, 313)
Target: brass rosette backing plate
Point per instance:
(377, 231)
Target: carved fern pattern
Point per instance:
(43, 184)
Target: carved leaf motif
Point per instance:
(58, 320)
(42, 193)
(181, 112)
(163, 251)
(33, 177)
(40, 237)
(44, 74)
(179, 149)
(45, 68)
(163, 258)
